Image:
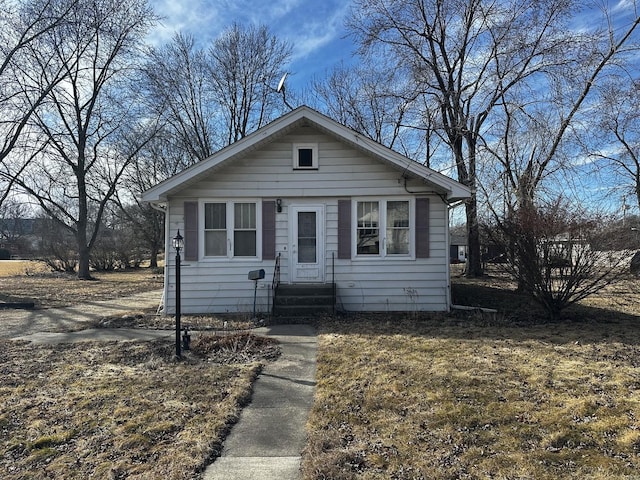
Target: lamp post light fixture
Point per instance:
(178, 244)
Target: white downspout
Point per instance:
(447, 255)
(163, 207)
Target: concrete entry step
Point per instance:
(304, 300)
(306, 289)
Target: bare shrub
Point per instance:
(555, 253)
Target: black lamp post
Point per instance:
(178, 244)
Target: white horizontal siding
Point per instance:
(363, 284)
(269, 173)
(225, 288)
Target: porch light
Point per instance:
(178, 242)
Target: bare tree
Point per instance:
(22, 91)
(157, 161)
(467, 56)
(540, 136)
(617, 152)
(242, 62)
(375, 99)
(90, 129)
(178, 89)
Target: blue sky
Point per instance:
(314, 28)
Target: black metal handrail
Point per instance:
(275, 282)
(333, 279)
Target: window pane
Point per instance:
(245, 216)
(397, 228)
(307, 237)
(244, 243)
(215, 243)
(306, 224)
(305, 157)
(368, 233)
(244, 226)
(215, 216)
(215, 226)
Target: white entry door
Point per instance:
(306, 243)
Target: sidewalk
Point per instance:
(98, 335)
(32, 323)
(266, 442)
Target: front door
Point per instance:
(306, 243)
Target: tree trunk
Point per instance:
(84, 272)
(153, 262)
(82, 223)
(474, 256)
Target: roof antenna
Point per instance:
(281, 88)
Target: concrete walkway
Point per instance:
(23, 323)
(266, 442)
(98, 335)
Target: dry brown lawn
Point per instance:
(481, 396)
(46, 289)
(465, 396)
(10, 268)
(116, 410)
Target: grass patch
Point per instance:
(480, 396)
(60, 290)
(118, 410)
(10, 268)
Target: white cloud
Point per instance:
(626, 5)
(309, 25)
(314, 28)
(201, 18)
(318, 29)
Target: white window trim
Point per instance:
(382, 229)
(314, 155)
(230, 228)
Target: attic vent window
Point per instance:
(305, 156)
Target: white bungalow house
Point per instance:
(310, 202)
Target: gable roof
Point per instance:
(305, 116)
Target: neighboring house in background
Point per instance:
(328, 204)
(458, 249)
(20, 236)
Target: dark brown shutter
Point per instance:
(422, 228)
(191, 231)
(344, 229)
(268, 230)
